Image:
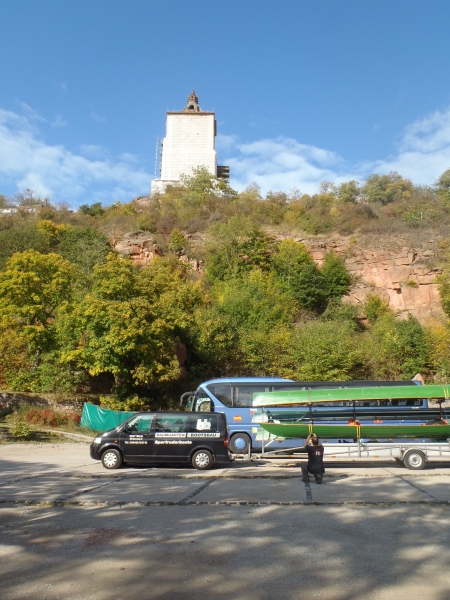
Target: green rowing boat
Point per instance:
(312, 396)
(301, 431)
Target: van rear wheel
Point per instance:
(111, 459)
(240, 443)
(202, 460)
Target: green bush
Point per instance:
(20, 429)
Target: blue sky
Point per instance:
(303, 90)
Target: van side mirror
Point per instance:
(184, 396)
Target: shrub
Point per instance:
(20, 429)
(48, 417)
(411, 283)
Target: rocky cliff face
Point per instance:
(404, 276)
(139, 246)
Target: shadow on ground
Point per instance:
(191, 552)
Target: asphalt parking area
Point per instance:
(36, 474)
(70, 529)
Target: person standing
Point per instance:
(315, 450)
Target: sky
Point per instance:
(303, 90)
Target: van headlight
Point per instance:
(98, 440)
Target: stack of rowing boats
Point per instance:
(350, 421)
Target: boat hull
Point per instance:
(374, 432)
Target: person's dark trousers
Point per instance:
(305, 475)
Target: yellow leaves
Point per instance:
(334, 213)
(32, 288)
(438, 339)
(51, 232)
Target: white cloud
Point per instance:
(423, 150)
(94, 151)
(26, 161)
(423, 153)
(127, 157)
(280, 164)
(96, 117)
(58, 122)
(31, 113)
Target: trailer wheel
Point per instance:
(415, 460)
(240, 443)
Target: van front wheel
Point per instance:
(202, 460)
(111, 459)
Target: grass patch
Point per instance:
(34, 437)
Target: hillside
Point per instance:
(404, 276)
(143, 299)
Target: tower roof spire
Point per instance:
(192, 103)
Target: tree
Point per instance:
(394, 349)
(177, 241)
(374, 308)
(323, 351)
(438, 340)
(26, 236)
(84, 247)
(348, 191)
(33, 288)
(202, 183)
(94, 210)
(443, 282)
(342, 311)
(238, 330)
(236, 246)
(50, 232)
(128, 324)
(443, 186)
(337, 279)
(4, 202)
(29, 198)
(387, 188)
(300, 275)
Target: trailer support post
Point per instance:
(262, 435)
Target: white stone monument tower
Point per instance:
(189, 143)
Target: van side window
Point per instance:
(185, 423)
(141, 423)
(171, 423)
(203, 424)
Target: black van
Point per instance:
(198, 438)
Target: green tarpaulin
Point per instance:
(102, 419)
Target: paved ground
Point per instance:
(71, 530)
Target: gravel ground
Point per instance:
(71, 530)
